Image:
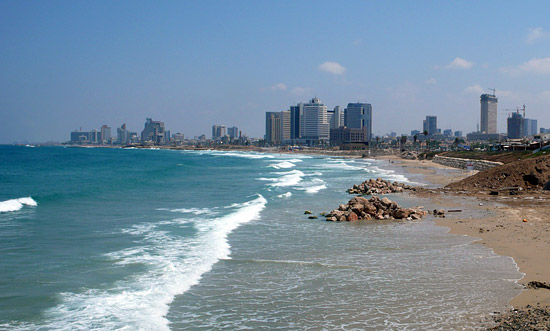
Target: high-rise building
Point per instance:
(529, 127)
(515, 126)
(105, 134)
(336, 117)
(233, 132)
(154, 132)
(123, 135)
(218, 132)
(359, 115)
(458, 134)
(277, 127)
(285, 126)
(488, 113)
(273, 123)
(543, 130)
(295, 115)
(314, 126)
(448, 133)
(430, 125)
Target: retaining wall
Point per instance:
(461, 163)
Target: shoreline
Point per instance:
(497, 223)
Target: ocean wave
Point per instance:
(340, 165)
(388, 174)
(285, 195)
(282, 165)
(194, 211)
(313, 186)
(174, 265)
(288, 178)
(16, 204)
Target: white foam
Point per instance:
(174, 265)
(195, 211)
(288, 178)
(340, 165)
(313, 186)
(285, 195)
(388, 174)
(16, 204)
(282, 165)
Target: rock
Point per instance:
(401, 213)
(312, 217)
(378, 186)
(370, 209)
(352, 217)
(331, 219)
(536, 284)
(323, 214)
(343, 207)
(386, 202)
(547, 186)
(307, 212)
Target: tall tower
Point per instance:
(488, 113)
(358, 116)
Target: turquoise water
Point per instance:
(154, 240)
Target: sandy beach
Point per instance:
(497, 221)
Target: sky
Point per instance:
(66, 65)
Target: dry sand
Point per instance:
(497, 221)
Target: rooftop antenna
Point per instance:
(494, 91)
(523, 111)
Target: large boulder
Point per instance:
(352, 217)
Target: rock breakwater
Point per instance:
(360, 208)
(378, 186)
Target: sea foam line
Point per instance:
(16, 204)
(175, 264)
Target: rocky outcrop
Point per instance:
(378, 186)
(360, 208)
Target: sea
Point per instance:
(150, 239)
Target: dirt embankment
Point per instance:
(529, 174)
(504, 157)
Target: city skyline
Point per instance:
(69, 65)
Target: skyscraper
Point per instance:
(123, 136)
(295, 115)
(529, 127)
(515, 126)
(314, 126)
(153, 131)
(105, 134)
(336, 117)
(218, 131)
(488, 113)
(430, 124)
(358, 116)
(233, 132)
(273, 123)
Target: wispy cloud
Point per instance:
(533, 66)
(302, 91)
(431, 81)
(279, 87)
(460, 63)
(334, 68)
(535, 34)
(474, 89)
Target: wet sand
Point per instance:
(497, 221)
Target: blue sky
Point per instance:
(71, 64)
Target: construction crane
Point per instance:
(517, 110)
(494, 91)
